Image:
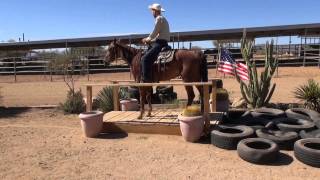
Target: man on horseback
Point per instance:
(157, 40)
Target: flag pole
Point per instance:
(218, 62)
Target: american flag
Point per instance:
(228, 63)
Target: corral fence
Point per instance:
(89, 61)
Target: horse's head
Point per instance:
(112, 52)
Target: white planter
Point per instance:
(91, 123)
(129, 105)
(191, 127)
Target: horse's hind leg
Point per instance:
(149, 98)
(142, 101)
(190, 93)
(200, 89)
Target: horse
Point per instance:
(190, 65)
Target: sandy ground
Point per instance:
(45, 144)
(38, 90)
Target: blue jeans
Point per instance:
(150, 57)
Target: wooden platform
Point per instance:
(162, 121)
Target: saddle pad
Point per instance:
(165, 57)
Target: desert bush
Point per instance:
(74, 104)
(310, 94)
(105, 98)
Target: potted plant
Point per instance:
(91, 123)
(127, 103)
(191, 123)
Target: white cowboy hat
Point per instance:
(156, 7)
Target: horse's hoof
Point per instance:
(140, 117)
(149, 115)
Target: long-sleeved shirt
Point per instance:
(161, 29)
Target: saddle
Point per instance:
(165, 56)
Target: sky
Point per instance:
(54, 19)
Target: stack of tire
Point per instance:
(259, 135)
(163, 94)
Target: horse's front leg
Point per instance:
(142, 101)
(149, 98)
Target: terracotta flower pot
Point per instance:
(91, 123)
(129, 105)
(191, 127)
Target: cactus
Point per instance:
(257, 93)
(193, 110)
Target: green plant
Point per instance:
(105, 98)
(310, 94)
(222, 94)
(193, 110)
(257, 93)
(74, 103)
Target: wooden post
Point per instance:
(319, 54)
(304, 48)
(214, 96)
(206, 107)
(88, 71)
(115, 98)
(89, 98)
(15, 69)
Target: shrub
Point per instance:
(193, 110)
(310, 94)
(105, 98)
(74, 103)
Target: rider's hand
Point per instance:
(145, 40)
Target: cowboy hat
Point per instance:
(156, 7)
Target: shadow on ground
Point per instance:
(282, 160)
(112, 135)
(11, 112)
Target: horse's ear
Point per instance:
(114, 40)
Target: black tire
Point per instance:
(255, 127)
(313, 115)
(285, 140)
(296, 125)
(308, 151)
(164, 90)
(297, 113)
(310, 134)
(267, 113)
(258, 150)
(257, 121)
(317, 123)
(133, 92)
(228, 136)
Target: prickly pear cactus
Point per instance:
(257, 91)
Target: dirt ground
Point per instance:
(45, 144)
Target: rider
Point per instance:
(157, 39)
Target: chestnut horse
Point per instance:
(191, 65)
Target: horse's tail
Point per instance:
(204, 70)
